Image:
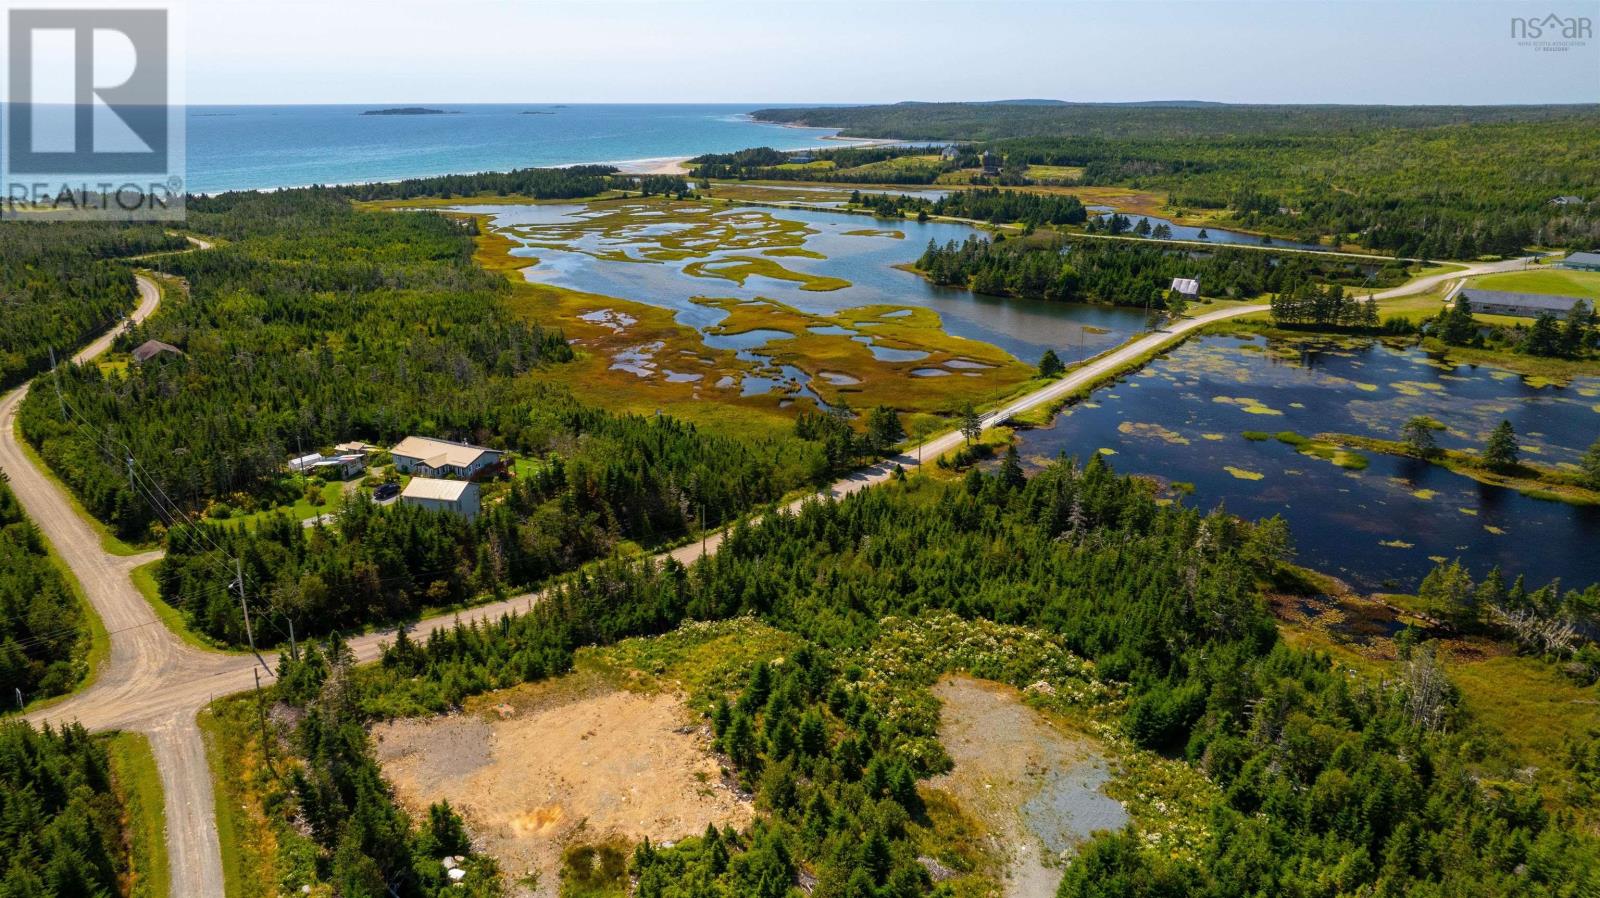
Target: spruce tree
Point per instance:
(1500, 451)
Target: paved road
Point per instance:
(155, 684)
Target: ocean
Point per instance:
(255, 147)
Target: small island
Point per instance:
(410, 110)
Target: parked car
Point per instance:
(386, 491)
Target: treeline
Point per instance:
(1563, 625)
(767, 164)
(59, 287)
(1327, 781)
(606, 478)
(60, 819)
(1008, 206)
(1573, 336)
(539, 183)
(42, 637)
(1148, 121)
(1128, 273)
(1324, 306)
(311, 325)
(992, 205)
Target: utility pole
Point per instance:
(60, 399)
(702, 530)
(238, 566)
(294, 648)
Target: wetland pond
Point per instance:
(669, 255)
(1182, 419)
(1213, 234)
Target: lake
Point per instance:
(1213, 234)
(256, 147)
(1181, 419)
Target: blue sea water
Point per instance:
(254, 147)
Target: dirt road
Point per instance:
(155, 684)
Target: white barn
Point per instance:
(1189, 287)
(458, 496)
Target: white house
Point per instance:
(1189, 287)
(459, 496)
(344, 465)
(428, 457)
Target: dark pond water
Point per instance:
(1214, 235)
(1181, 419)
(1024, 328)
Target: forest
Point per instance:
(1367, 175)
(845, 165)
(1144, 121)
(991, 205)
(60, 818)
(59, 287)
(1048, 266)
(311, 325)
(618, 477)
(1330, 782)
(42, 635)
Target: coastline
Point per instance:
(678, 165)
(650, 165)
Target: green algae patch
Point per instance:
(741, 268)
(1536, 481)
(795, 252)
(1243, 473)
(1396, 544)
(1256, 436)
(876, 232)
(1247, 405)
(1153, 431)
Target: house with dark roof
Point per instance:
(1581, 262)
(1522, 305)
(149, 349)
(991, 162)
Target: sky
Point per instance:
(870, 51)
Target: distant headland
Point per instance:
(410, 110)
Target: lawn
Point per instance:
(144, 580)
(1055, 172)
(300, 510)
(1553, 281)
(138, 783)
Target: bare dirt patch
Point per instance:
(1033, 784)
(573, 761)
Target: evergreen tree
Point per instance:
(1050, 364)
(884, 431)
(1500, 452)
(1418, 436)
(1590, 465)
(971, 424)
(1456, 325)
